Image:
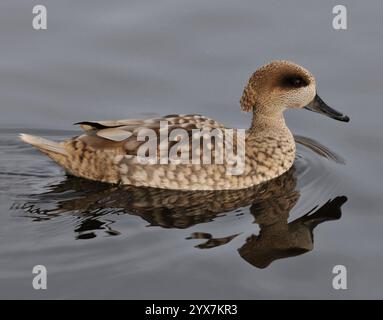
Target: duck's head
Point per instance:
(284, 84)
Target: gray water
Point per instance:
(103, 60)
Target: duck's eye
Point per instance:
(294, 81)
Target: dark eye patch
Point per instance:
(294, 81)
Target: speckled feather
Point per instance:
(100, 155)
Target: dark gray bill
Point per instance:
(318, 105)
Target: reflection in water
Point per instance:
(279, 239)
(211, 242)
(270, 203)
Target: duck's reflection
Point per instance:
(95, 204)
(279, 239)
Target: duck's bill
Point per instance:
(318, 105)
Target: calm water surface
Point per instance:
(118, 59)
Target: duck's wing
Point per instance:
(124, 133)
(179, 120)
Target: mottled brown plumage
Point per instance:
(107, 151)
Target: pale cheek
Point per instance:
(297, 101)
(304, 98)
(311, 92)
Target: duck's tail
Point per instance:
(51, 148)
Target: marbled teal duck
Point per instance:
(108, 151)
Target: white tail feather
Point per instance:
(43, 144)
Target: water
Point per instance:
(109, 60)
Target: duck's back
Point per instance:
(119, 152)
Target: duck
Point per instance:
(111, 151)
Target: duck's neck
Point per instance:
(273, 122)
(269, 134)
